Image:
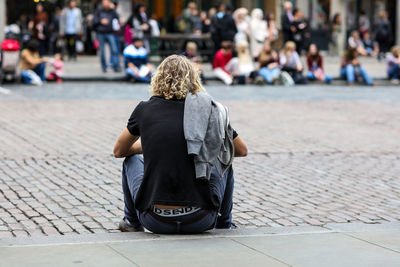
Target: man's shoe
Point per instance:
(232, 226)
(126, 226)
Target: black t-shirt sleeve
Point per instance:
(133, 122)
(235, 134)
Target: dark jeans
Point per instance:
(114, 57)
(297, 76)
(394, 72)
(132, 176)
(70, 39)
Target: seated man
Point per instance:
(137, 64)
(184, 182)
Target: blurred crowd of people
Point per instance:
(246, 46)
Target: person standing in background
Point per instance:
(271, 27)
(335, 31)
(39, 26)
(383, 34)
(139, 22)
(223, 27)
(258, 32)
(118, 33)
(363, 22)
(287, 19)
(103, 23)
(54, 33)
(301, 34)
(242, 24)
(71, 27)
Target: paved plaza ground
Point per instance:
(317, 155)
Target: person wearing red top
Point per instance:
(315, 66)
(222, 63)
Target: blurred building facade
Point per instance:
(319, 12)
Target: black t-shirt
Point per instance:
(169, 174)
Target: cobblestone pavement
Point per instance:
(312, 160)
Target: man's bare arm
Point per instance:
(240, 147)
(127, 145)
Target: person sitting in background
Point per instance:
(371, 47)
(393, 67)
(356, 42)
(290, 62)
(221, 63)
(242, 65)
(137, 64)
(191, 54)
(269, 64)
(32, 65)
(58, 68)
(351, 67)
(315, 65)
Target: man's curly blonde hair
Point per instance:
(175, 77)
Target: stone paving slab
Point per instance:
(311, 162)
(257, 247)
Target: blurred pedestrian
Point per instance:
(351, 68)
(54, 32)
(103, 20)
(364, 25)
(117, 31)
(335, 31)
(154, 25)
(242, 24)
(189, 21)
(316, 66)
(258, 32)
(205, 22)
(393, 65)
(383, 33)
(137, 65)
(32, 64)
(140, 25)
(223, 27)
(71, 27)
(39, 27)
(301, 33)
(287, 19)
(271, 27)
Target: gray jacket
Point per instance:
(78, 20)
(208, 134)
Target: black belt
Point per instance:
(174, 222)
